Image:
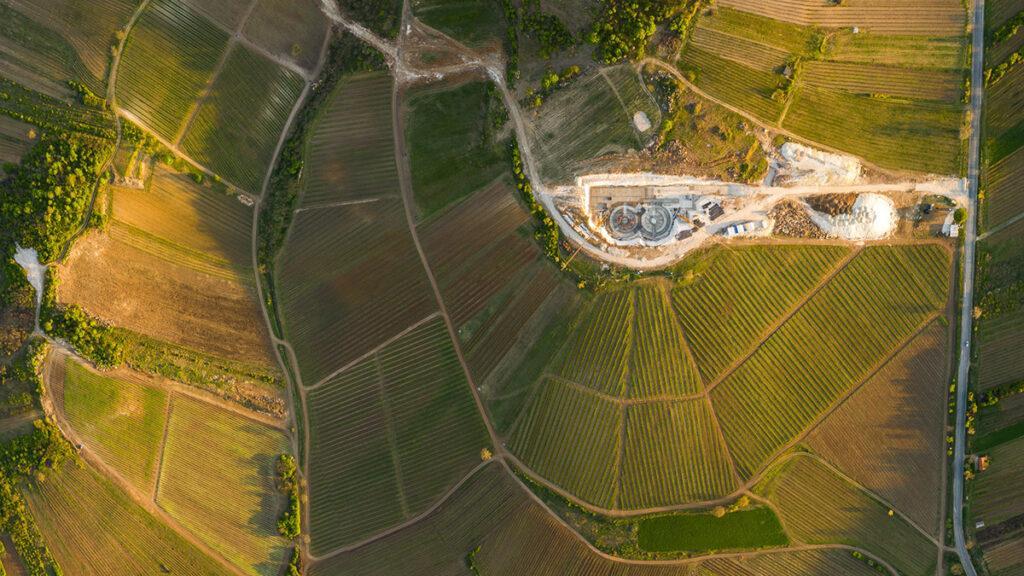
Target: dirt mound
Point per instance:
(792, 221)
(833, 204)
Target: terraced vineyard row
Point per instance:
(819, 507)
(672, 454)
(597, 355)
(349, 279)
(914, 17)
(168, 58)
(944, 53)
(92, 527)
(354, 130)
(996, 494)
(660, 363)
(739, 292)
(739, 85)
(389, 436)
(803, 562)
(869, 79)
(123, 422)
(572, 438)
(872, 306)
(1003, 182)
(761, 57)
(1003, 121)
(888, 435)
(218, 481)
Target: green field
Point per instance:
(734, 295)
(741, 86)
(453, 149)
(351, 152)
(996, 495)
(743, 529)
(389, 436)
(818, 507)
(123, 422)
(238, 124)
(218, 480)
(92, 527)
(475, 23)
(829, 345)
(168, 58)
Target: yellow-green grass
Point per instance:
(629, 343)
(476, 23)
(734, 295)
(672, 454)
(996, 495)
(888, 435)
(168, 58)
(290, 29)
(349, 279)
(389, 437)
(819, 507)
(874, 305)
(749, 528)
(453, 149)
(873, 79)
(586, 120)
(237, 127)
(793, 38)
(91, 527)
(572, 438)
(942, 52)
(38, 57)
(1004, 179)
(218, 480)
(351, 152)
(890, 132)
(87, 26)
(121, 421)
(735, 84)
(188, 222)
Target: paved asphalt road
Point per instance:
(966, 314)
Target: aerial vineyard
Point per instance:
(1003, 181)
(238, 124)
(672, 454)
(15, 140)
(597, 354)
(829, 345)
(805, 562)
(819, 507)
(996, 494)
(888, 434)
(37, 57)
(999, 332)
(351, 152)
(735, 294)
(475, 23)
(741, 86)
(92, 527)
(753, 54)
(660, 363)
(872, 79)
(1004, 124)
(572, 438)
(453, 145)
(226, 14)
(168, 58)
(218, 480)
(123, 422)
(291, 29)
(898, 50)
(349, 278)
(88, 27)
(390, 436)
(924, 17)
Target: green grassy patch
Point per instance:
(452, 144)
(754, 528)
(472, 22)
(998, 437)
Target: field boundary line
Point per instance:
(410, 522)
(786, 316)
(1002, 226)
(392, 437)
(622, 103)
(372, 352)
(627, 388)
(342, 204)
(239, 37)
(622, 401)
(667, 297)
(874, 370)
(168, 410)
(736, 477)
(696, 560)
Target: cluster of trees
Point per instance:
(623, 28)
(790, 73)
(382, 16)
(17, 302)
(547, 29)
(295, 564)
(512, 72)
(30, 456)
(547, 232)
(346, 54)
(551, 82)
(45, 196)
(90, 337)
(86, 96)
(289, 524)
(993, 75)
(53, 114)
(1008, 30)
